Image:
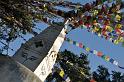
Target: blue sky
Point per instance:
(94, 42)
(90, 40)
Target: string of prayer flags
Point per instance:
(107, 35)
(116, 42)
(75, 5)
(110, 37)
(104, 27)
(107, 27)
(53, 10)
(110, 31)
(95, 52)
(116, 31)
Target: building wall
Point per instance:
(40, 52)
(11, 71)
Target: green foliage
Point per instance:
(16, 16)
(78, 70)
(102, 75)
(74, 66)
(117, 77)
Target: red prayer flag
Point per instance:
(118, 31)
(106, 37)
(87, 25)
(80, 45)
(99, 54)
(92, 80)
(80, 22)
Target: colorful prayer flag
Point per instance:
(80, 45)
(77, 44)
(95, 52)
(99, 54)
(115, 62)
(61, 73)
(107, 58)
(111, 60)
(87, 49)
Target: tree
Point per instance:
(14, 16)
(102, 75)
(117, 77)
(17, 16)
(74, 66)
(72, 70)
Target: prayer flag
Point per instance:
(99, 54)
(80, 45)
(111, 60)
(94, 52)
(61, 73)
(107, 58)
(87, 49)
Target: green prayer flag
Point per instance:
(74, 42)
(82, 26)
(103, 56)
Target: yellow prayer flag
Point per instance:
(109, 28)
(61, 73)
(120, 39)
(107, 58)
(116, 42)
(94, 22)
(71, 42)
(118, 17)
(95, 12)
(113, 10)
(87, 49)
(118, 26)
(8, 18)
(99, 34)
(96, 29)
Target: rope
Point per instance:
(95, 52)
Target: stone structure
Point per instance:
(11, 71)
(40, 52)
